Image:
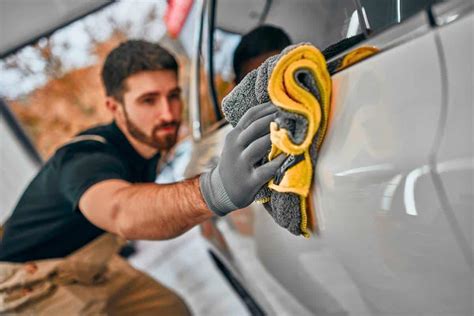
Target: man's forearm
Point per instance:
(159, 211)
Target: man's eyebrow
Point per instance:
(148, 94)
(175, 90)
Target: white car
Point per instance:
(393, 187)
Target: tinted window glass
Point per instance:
(223, 50)
(383, 13)
(334, 24)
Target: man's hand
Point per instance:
(236, 180)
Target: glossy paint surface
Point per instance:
(394, 174)
(454, 158)
(379, 208)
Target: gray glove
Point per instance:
(235, 181)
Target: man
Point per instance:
(102, 181)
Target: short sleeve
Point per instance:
(82, 170)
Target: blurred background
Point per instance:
(58, 77)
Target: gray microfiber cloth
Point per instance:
(251, 91)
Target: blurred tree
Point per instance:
(57, 100)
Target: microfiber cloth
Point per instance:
(298, 83)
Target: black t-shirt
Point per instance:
(46, 222)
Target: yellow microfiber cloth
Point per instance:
(289, 94)
(298, 83)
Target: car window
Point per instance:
(381, 14)
(336, 24)
(223, 48)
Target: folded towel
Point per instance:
(298, 83)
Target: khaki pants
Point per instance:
(94, 280)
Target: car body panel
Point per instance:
(385, 245)
(455, 156)
(376, 200)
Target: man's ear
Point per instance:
(112, 104)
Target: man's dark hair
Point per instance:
(261, 40)
(131, 57)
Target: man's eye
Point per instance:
(175, 96)
(149, 101)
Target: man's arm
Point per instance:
(145, 211)
(161, 211)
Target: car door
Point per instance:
(384, 244)
(376, 191)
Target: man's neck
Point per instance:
(142, 149)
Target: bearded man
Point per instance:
(58, 252)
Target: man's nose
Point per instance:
(165, 112)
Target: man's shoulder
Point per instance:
(104, 130)
(91, 142)
(96, 138)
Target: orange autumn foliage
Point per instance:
(52, 114)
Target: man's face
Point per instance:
(152, 108)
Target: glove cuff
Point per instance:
(214, 193)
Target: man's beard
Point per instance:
(153, 140)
